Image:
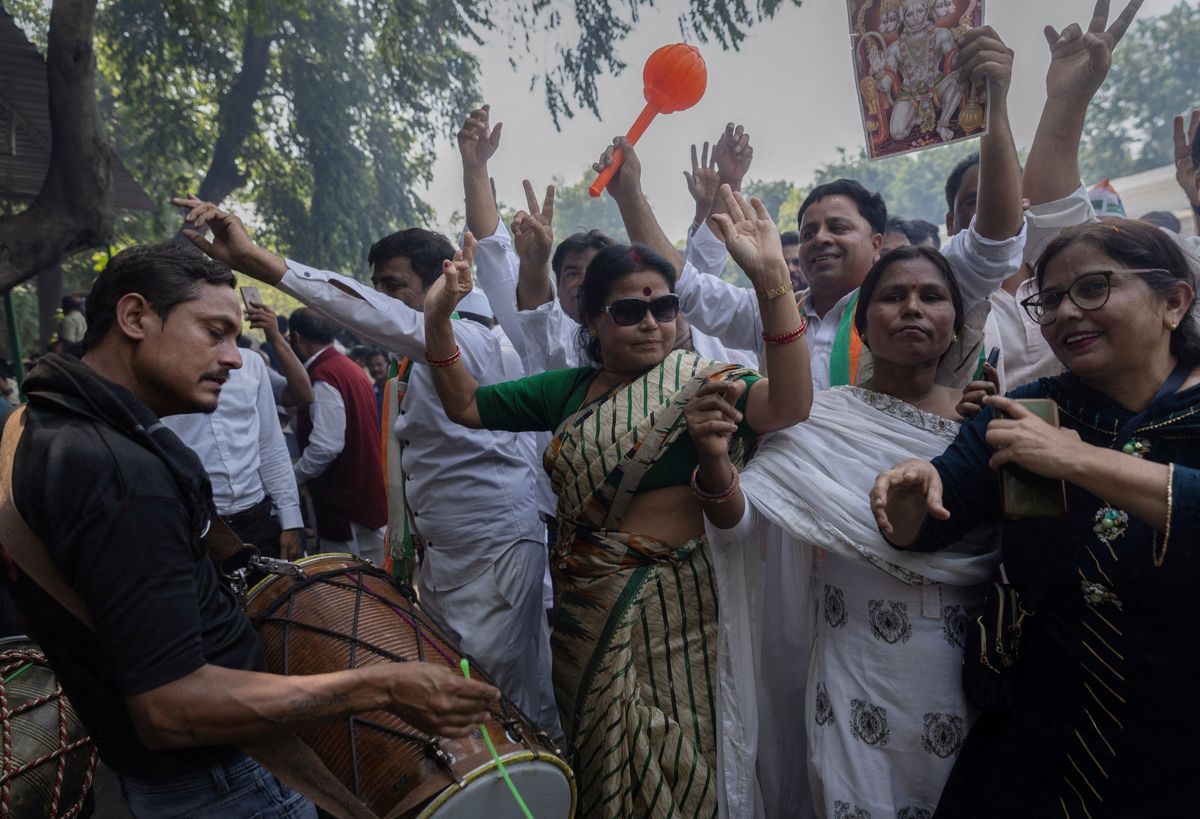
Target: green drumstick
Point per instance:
(466, 670)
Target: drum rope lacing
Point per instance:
(19, 660)
(425, 634)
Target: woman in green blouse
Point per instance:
(635, 641)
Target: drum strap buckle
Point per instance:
(239, 578)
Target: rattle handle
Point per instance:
(635, 132)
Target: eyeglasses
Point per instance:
(628, 312)
(1088, 292)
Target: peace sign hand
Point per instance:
(1079, 61)
(704, 181)
(1185, 169)
(733, 154)
(533, 231)
(456, 282)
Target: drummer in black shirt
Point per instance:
(168, 675)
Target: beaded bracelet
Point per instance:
(705, 496)
(776, 292)
(789, 337)
(444, 362)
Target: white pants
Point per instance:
(364, 542)
(499, 621)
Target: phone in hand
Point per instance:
(1024, 494)
(250, 296)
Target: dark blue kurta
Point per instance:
(1107, 718)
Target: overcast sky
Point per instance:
(791, 85)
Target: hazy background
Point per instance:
(792, 86)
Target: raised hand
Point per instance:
(533, 230)
(1079, 60)
(703, 182)
(1185, 169)
(971, 402)
(231, 244)
(733, 154)
(628, 180)
(753, 240)
(711, 417)
(983, 55)
(477, 139)
(263, 318)
(456, 282)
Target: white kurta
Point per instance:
(817, 608)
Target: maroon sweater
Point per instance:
(352, 486)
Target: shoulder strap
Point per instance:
(19, 541)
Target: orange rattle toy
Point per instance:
(675, 78)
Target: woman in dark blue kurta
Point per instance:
(1106, 718)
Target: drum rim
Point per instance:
(302, 562)
(455, 788)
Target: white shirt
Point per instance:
(469, 492)
(328, 437)
(241, 446)
(731, 313)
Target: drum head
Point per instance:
(545, 784)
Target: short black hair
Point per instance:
(897, 225)
(789, 237)
(1163, 219)
(359, 353)
(577, 243)
(611, 264)
(165, 275)
(901, 254)
(919, 232)
(308, 323)
(954, 180)
(424, 249)
(870, 205)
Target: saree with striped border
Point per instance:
(635, 641)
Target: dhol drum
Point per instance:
(48, 758)
(341, 612)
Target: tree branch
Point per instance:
(74, 209)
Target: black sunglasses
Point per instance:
(628, 312)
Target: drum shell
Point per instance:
(346, 614)
(36, 734)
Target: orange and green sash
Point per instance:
(847, 349)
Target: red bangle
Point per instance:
(444, 362)
(704, 496)
(788, 338)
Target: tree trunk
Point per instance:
(49, 297)
(74, 209)
(236, 121)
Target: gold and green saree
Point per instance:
(635, 640)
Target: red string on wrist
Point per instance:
(789, 337)
(444, 362)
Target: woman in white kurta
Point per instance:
(839, 656)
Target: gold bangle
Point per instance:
(776, 292)
(1161, 554)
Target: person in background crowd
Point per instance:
(922, 234)
(1163, 219)
(791, 253)
(74, 325)
(340, 461)
(894, 235)
(379, 368)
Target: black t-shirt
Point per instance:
(119, 533)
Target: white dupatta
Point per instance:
(806, 489)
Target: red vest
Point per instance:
(351, 488)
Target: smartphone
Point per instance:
(250, 296)
(1024, 494)
(993, 357)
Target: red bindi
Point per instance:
(646, 291)
(914, 287)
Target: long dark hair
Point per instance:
(903, 254)
(611, 264)
(1140, 246)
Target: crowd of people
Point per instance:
(819, 546)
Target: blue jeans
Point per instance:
(237, 789)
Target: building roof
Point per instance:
(25, 125)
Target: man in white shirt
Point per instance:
(242, 448)
(841, 227)
(469, 493)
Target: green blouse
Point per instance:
(540, 403)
